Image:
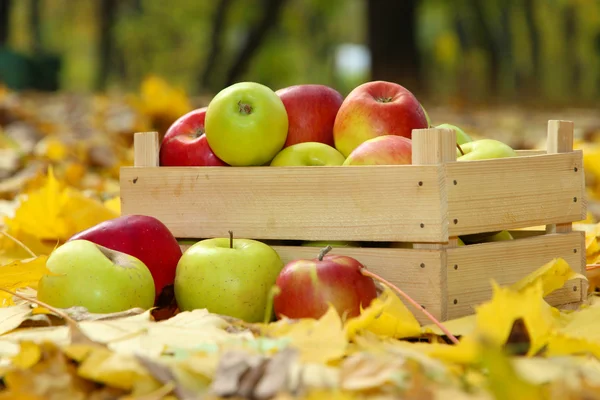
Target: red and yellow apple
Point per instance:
(308, 154)
(185, 144)
(382, 150)
(308, 286)
(311, 111)
(374, 109)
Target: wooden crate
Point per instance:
(429, 204)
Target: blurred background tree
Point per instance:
(539, 52)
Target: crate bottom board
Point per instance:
(451, 283)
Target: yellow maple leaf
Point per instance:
(560, 344)
(55, 212)
(20, 274)
(158, 98)
(386, 316)
(552, 276)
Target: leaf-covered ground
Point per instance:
(59, 165)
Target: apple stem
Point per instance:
(433, 319)
(324, 251)
(244, 108)
(19, 243)
(460, 149)
(230, 239)
(591, 267)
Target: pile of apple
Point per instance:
(130, 261)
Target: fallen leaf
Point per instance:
(553, 275)
(20, 274)
(363, 371)
(12, 317)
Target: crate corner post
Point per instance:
(146, 149)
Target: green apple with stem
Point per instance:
(484, 149)
(228, 277)
(308, 154)
(246, 124)
(102, 280)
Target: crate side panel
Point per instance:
(471, 268)
(382, 203)
(417, 272)
(515, 192)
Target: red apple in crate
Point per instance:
(185, 143)
(382, 150)
(374, 109)
(308, 286)
(311, 113)
(143, 237)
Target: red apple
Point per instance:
(307, 287)
(311, 113)
(185, 144)
(142, 236)
(375, 109)
(382, 150)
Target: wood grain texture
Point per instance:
(516, 192)
(470, 268)
(374, 203)
(559, 140)
(146, 149)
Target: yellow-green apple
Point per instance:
(426, 116)
(382, 150)
(461, 136)
(227, 276)
(83, 273)
(185, 144)
(484, 149)
(308, 286)
(311, 111)
(141, 236)
(308, 153)
(487, 237)
(332, 243)
(246, 124)
(374, 109)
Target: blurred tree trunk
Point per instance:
(107, 16)
(486, 41)
(35, 26)
(215, 45)
(530, 82)
(571, 41)
(393, 43)
(272, 10)
(5, 6)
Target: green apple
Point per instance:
(487, 237)
(461, 136)
(95, 277)
(246, 124)
(308, 153)
(483, 149)
(332, 243)
(426, 116)
(460, 242)
(227, 276)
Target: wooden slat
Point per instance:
(530, 152)
(367, 203)
(417, 272)
(560, 140)
(470, 268)
(146, 149)
(516, 192)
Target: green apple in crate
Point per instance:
(461, 136)
(484, 149)
(308, 154)
(102, 280)
(382, 150)
(246, 124)
(227, 276)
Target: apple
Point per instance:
(309, 154)
(382, 150)
(487, 237)
(426, 117)
(185, 144)
(311, 111)
(483, 149)
(143, 237)
(102, 280)
(246, 124)
(461, 136)
(227, 277)
(374, 109)
(308, 286)
(332, 243)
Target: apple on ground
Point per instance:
(246, 124)
(143, 237)
(309, 154)
(333, 243)
(102, 280)
(484, 149)
(382, 150)
(308, 286)
(461, 136)
(311, 111)
(374, 109)
(227, 276)
(185, 144)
